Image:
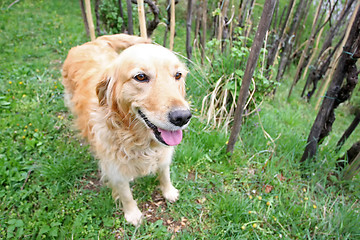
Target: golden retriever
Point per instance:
(128, 97)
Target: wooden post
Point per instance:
(337, 56)
(172, 25)
(348, 131)
(231, 25)
(121, 12)
(263, 27)
(288, 41)
(203, 39)
(142, 21)
(352, 169)
(130, 26)
(83, 13)
(90, 19)
(342, 68)
(97, 18)
(274, 51)
(222, 16)
(304, 54)
(312, 56)
(321, 66)
(188, 29)
(220, 22)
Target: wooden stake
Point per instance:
(263, 27)
(90, 19)
(336, 57)
(203, 40)
(222, 22)
(188, 29)
(172, 25)
(346, 64)
(130, 26)
(231, 24)
(352, 169)
(303, 57)
(314, 51)
(142, 21)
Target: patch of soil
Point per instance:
(191, 176)
(91, 182)
(156, 210)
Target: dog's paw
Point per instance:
(171, 194)
(134, 216)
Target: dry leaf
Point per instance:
(201, 200)
(251, 171)
(281, 177)
(267, 188)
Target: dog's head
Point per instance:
(147, 83)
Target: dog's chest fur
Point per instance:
(130, 152)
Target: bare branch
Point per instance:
(328, 20)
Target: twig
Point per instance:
(262, 151)
(333, 203)
(321, 188)
(354, 203)
(267, 136)
(251, 94)
(14, 2)
(328, 19)
(26, 179)
(232, 15)
(298, 49)
(255, 110)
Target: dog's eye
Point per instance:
(178, 76)
(141, 77)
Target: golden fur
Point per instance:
(117, 111)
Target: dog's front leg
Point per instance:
(168, 190)
(132, 213)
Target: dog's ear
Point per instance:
(116, 115)
(122, 41)
(101, 89)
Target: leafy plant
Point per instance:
(225, 75)
(110, 17)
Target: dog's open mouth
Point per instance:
(167, 137)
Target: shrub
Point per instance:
(225, 76)
(109, 13)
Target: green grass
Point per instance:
(49, 183)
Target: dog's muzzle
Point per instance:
(178, 118)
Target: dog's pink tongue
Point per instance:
(171, 138)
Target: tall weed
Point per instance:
(225, 73)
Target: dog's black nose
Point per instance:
(179, 117)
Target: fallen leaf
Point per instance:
(177, 229)
(281, 177)
(201, 200)
(267, 188)
(251, 171)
